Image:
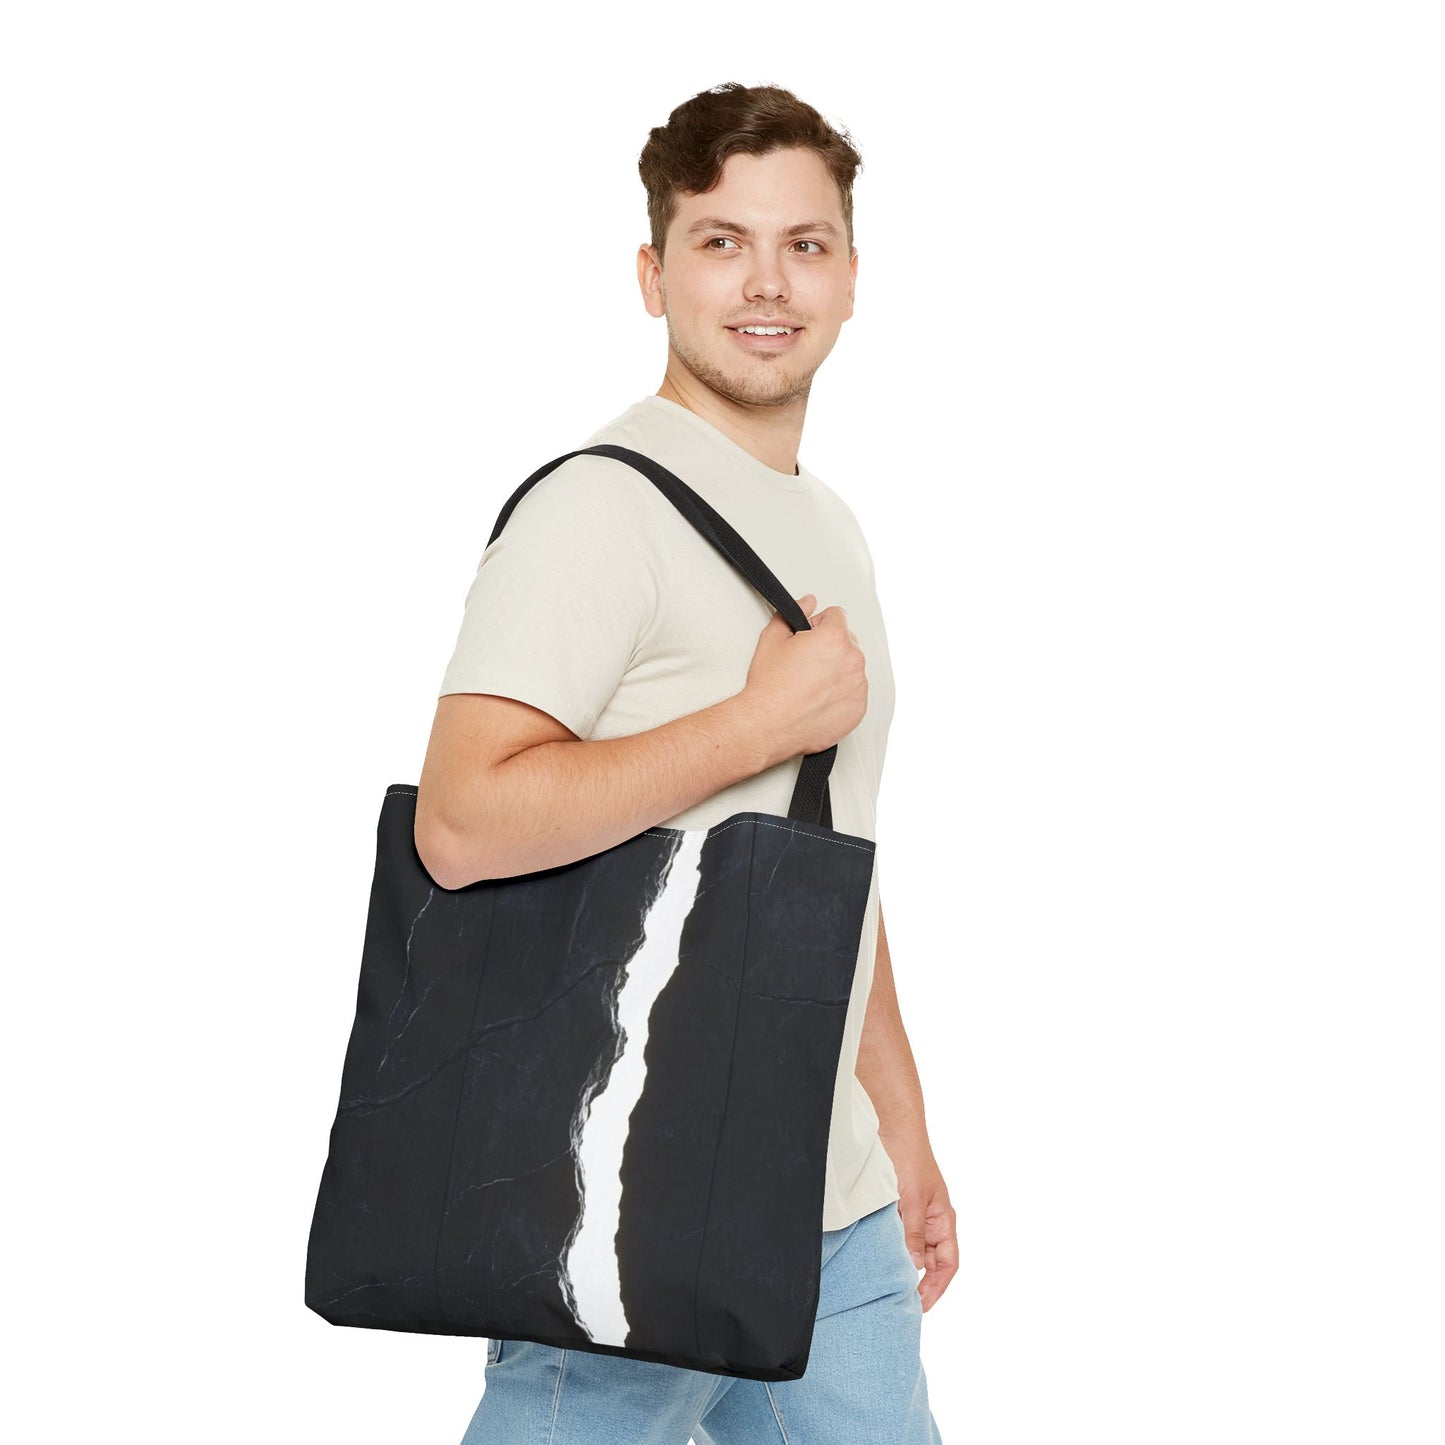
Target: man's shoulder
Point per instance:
(642, 425)
(592, 492)
(650, 431)
(656, 430)
(601, 498)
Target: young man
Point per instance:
(613, 673)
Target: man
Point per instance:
(613, 673)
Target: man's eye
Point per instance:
(818, 244)
(721, 238)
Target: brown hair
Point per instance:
(688, 153)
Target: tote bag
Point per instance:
(589, 1106)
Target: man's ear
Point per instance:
(852, 281)
(649, 279)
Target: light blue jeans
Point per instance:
(864, 1384)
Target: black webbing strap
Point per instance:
(811, 802)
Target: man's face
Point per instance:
(767, 244)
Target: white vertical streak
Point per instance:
(590, 1260)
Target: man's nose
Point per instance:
(767, 280)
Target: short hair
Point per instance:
(687, 154)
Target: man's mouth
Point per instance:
(759, 337)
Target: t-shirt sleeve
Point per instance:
(564, 597)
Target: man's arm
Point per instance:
(507, 789)
(888, 1073)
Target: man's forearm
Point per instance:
(885, 1066)
(560, 801)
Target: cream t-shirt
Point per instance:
(600, 604)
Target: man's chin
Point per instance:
(770, 390)
(767, 385)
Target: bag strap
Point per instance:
(811, 802)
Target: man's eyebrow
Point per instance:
(717, 223)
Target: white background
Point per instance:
(1141, 412)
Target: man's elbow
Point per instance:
(451, 859)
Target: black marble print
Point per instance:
(590, 1106)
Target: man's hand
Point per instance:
(810, 687)
(930, 1225)
(888, 1074)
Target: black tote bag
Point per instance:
(589, 1106)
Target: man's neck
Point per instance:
(769, 433)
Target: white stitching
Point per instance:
(557, 1396)
(777, 1414)
(718, 828)
(723, 827)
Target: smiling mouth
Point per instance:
(763, 343)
